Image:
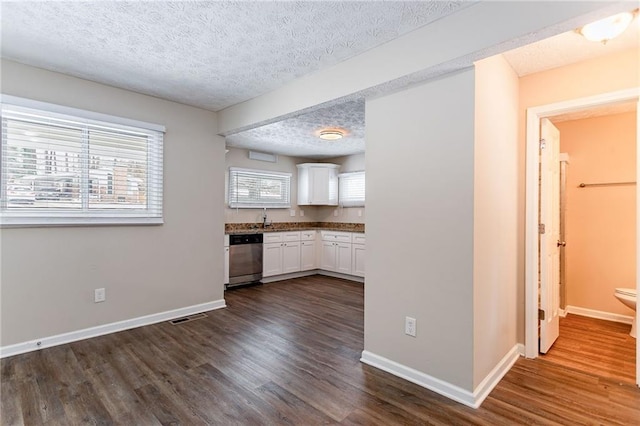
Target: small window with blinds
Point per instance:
(351, 189)
(259, 189)
(61, 166)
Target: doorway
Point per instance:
(532, 268)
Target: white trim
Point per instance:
(310, 272)
(520, 348)
(534, 115)
(592, 313)
(73, 336)
(562, 312)
(76, 112)
(485, 387)
(456, 393)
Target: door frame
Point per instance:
(532, 194)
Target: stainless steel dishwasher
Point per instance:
(245, 259)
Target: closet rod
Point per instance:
(584, 185)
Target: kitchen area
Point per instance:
(317, 229)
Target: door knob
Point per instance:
(562, 243)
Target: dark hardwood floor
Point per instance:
(595, 346)
(281, 353)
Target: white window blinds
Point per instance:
(66, 169)
(351, 189)
(259, 189)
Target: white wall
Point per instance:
(420, 172)
(495, 230)
(350, 163)
(48, 274)
(237, 157)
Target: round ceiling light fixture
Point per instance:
(607, 28)
(331, 134)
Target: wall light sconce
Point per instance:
(607, 28)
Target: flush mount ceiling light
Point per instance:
(331, 134)
(607, 28)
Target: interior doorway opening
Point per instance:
(532, 268)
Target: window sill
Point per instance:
(41, 222)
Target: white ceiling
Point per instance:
(210, 54)
(213, 54)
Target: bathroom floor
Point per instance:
(595, 346)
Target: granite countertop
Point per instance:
(253, 228)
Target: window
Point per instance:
(351, 189)
(258, 189)
(63, 166)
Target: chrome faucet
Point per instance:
(265, 222)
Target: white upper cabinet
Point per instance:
(318, 184)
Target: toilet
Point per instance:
(628, 297)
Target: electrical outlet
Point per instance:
(359, 213)
(99, 295)
(292, 213)
(301, 213)
(335, 213)
(410, 326)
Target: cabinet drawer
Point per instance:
(291, 236)
(357, 238)
(307, 235)
(272, 237)
(337, 237)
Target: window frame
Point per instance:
(351, 202)
(254, 204)
(152, 214)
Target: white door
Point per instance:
(357, 258)
(271, 259)
(549, 240)
(291, 257)
(307, 255)
(343, 258)
(328, 256)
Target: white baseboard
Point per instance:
(73, 336)
(492, 379)
(592, 313)
(456, 393)
(275, 278)
(562, 312)
(521, 350)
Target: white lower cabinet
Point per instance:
(271, 259)
(225, 279)
(280, 258)
(307, 255)
(291, 257)
(336, 257)
(357, 257)
(285, 253)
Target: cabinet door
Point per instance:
(328, 256)
(226, 266)
(291, 257)
(357, 258)
(343, 258)
(271, 259)
(319, 185)
(307, 255)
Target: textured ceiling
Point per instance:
(599, 111)
(568, 48)
(210, 54)
(296, 136)
(213, 54)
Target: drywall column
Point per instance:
(495, 233)
(419, 166)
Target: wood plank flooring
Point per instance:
(285, 353)
(595, 346)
